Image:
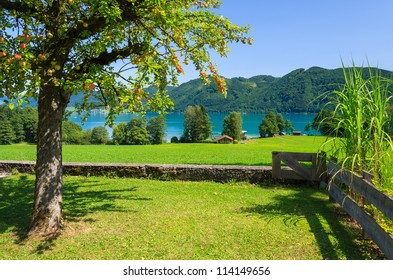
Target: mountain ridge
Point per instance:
(295, 92)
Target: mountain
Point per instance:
(296, 92)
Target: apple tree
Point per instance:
(107, 49)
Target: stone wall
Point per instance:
(218, 173)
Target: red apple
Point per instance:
(91, 86)
(137, 90)
(41, 56)
(2, 39)
(3, 54)
(17, 56)
(27, 37)
(179, 69)
(8, 60)
(22, 45)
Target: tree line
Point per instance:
(20, 125)
(197, 126)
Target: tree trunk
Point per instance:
(47, 210)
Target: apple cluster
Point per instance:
(24, 40)
(176, 62)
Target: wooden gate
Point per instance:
(295, 169)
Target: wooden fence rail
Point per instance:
(296, 170)
(368, 191)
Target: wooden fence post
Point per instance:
(314, 167)
(367, 176)
(322, 166)
(276, 165)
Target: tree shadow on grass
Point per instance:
(321, 218)
(80, 198)
(16, 196)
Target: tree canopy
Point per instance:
(72, 44)
(232, 126)
(99, 135)
(274, 124)
(23, 123)
(197, 125)
(269, 125)
(52, 49)
(156, 127)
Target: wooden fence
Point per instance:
(296, 170)
(360, 190)
(364, 188)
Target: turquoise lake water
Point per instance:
(175, 122)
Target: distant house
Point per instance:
(225, 139)
(297, 133)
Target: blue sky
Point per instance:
(292, 34)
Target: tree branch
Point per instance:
(20, 7)
(106, 58)
(96, 23)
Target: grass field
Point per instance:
(145, 219)
(253, 152)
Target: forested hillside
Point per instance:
(297, 91)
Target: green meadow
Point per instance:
(252, 152)
(122, 218)
(119, 218)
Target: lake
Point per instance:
(175, 122)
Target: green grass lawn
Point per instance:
(146, 219)
(253, 152)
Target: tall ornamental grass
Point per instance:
(362, 140)
(361, 112)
